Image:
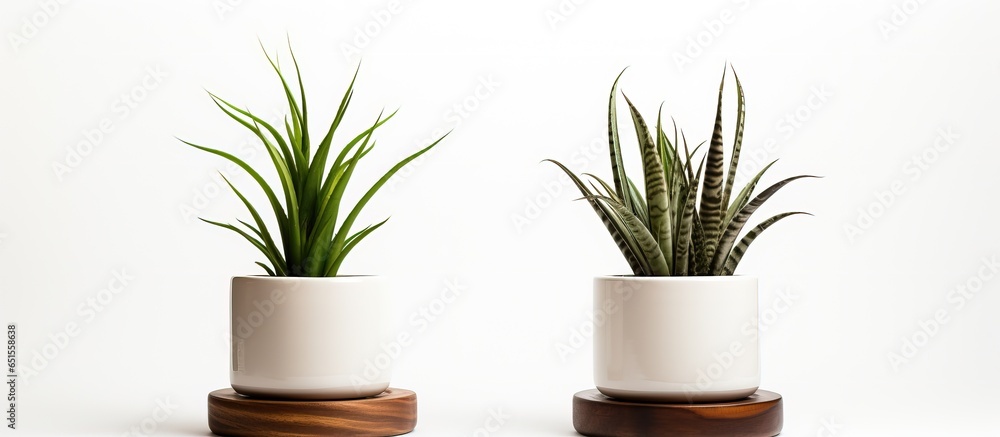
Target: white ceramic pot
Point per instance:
(676, 339)
(309, 338)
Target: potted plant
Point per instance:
(682, 328)
(303, 330)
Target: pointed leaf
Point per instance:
(711, 192)
(649, 249)
(736, 225)
(351, 242)
(743, 197)
(737, 253)
(734, 160)
(617, 167)
(610, 221)
(657, 201)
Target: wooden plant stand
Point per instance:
(597, 415)
(393, 412)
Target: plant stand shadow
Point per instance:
(759, 415)
(393, 412)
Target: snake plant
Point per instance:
(670, 231)
(311, 241)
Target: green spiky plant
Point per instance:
(312, 242)
(668, 232)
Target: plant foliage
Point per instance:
(677, 228)
(313, 235)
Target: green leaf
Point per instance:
(311, 243)
(617, 167)
(737, 253)
(266, 269)
(351, 242)
(734, 160)
(298, 120)
(711, 192)
(255, 242)
(608, 190)
(304, 137)
(253, 124)
(686, 226)
(275, 254)
(339, 240)
(317, 168)
(744, 195)
(321, 258)
(610, 220)
(649, 249)
(698, 250)
(639, 207)
(656, 185)
(736, 225)
(279, 212)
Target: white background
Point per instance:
(890, 83)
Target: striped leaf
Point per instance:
(734, 160)
(743, 197)
(615, 228)
(617, 167)
(657, 202)
(698, 265)
(639, 207)
(737, 253)
(692, 217)
(685, 226)
(736, 225)
(650, 251)
(711, 192)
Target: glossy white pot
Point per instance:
(676, 339)
(309, 338)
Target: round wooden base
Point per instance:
(759, 415)
(393, 412)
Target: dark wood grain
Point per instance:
(597, 415)
(393, 412)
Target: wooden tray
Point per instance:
(759, 415)
(393, 412)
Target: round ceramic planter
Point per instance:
(676, 339)
(309, 338)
